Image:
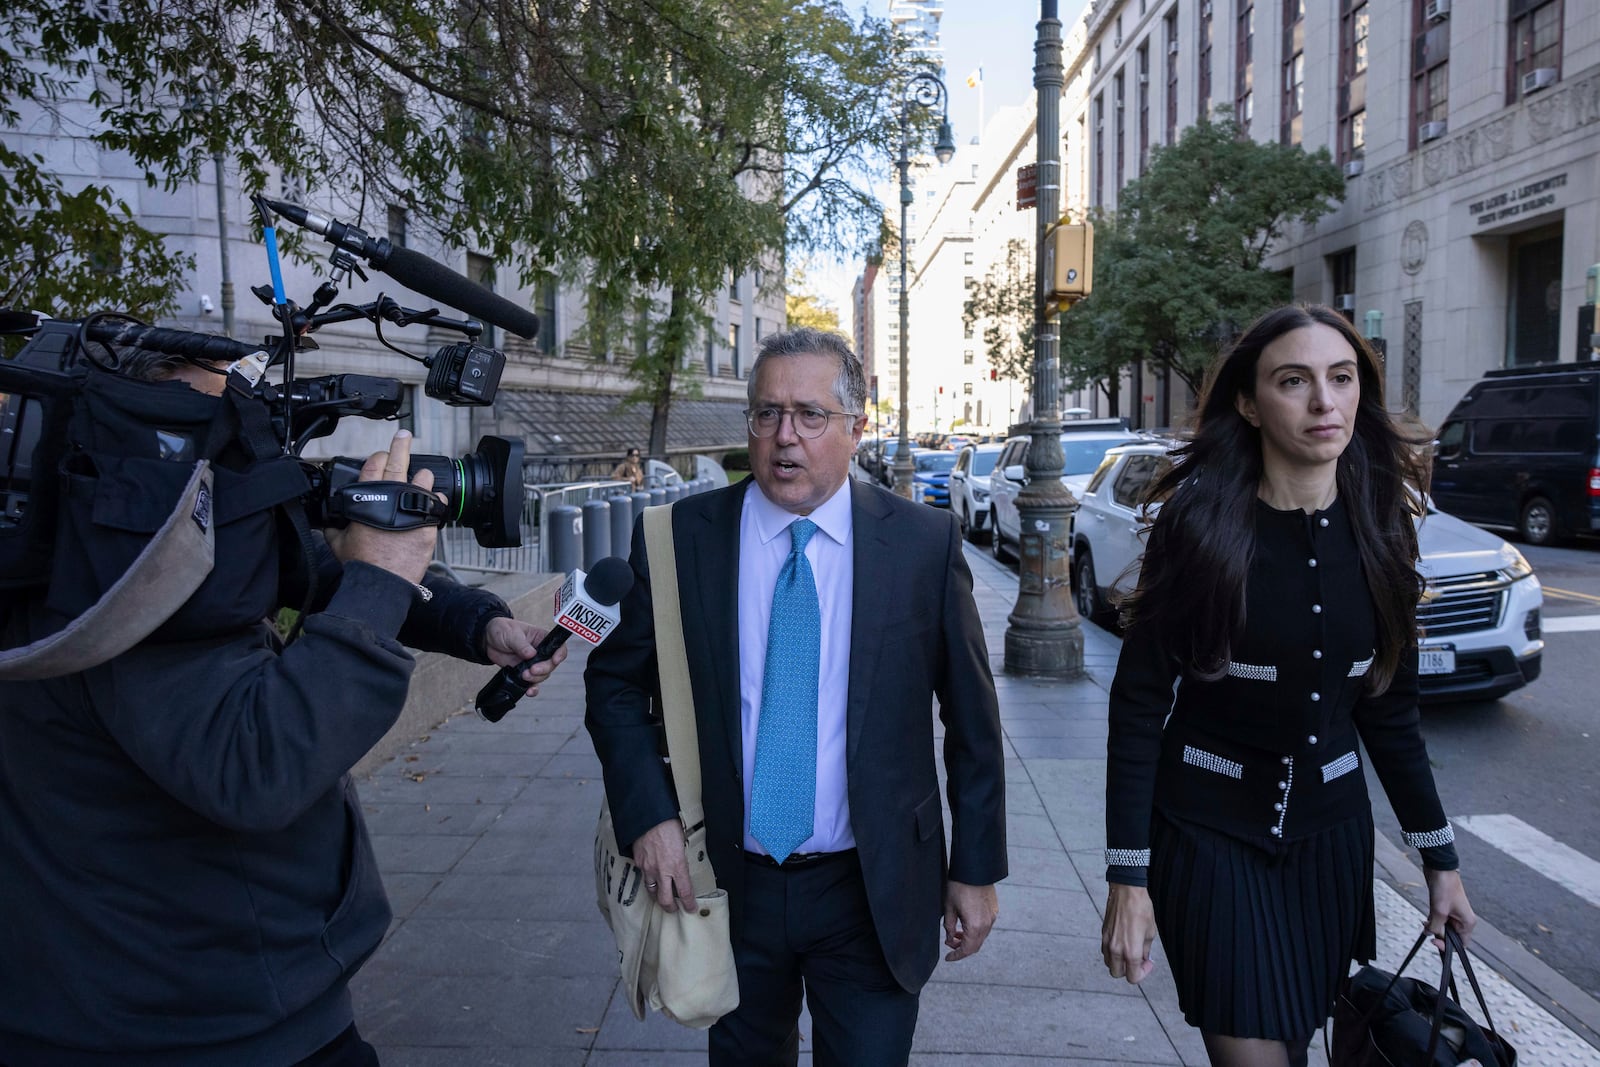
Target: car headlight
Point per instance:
(980, 496)
(1516, 568)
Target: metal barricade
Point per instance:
(459, 549)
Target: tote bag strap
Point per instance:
(1454, 938)
(672, 661)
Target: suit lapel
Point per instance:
(873, 561)
(709, 554)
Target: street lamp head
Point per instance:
(946, 145)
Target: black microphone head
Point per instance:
(418, 272)
(609, 581)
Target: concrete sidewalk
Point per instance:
(498, 956)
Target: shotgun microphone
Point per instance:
(415, 271)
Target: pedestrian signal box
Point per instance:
(1070, 248)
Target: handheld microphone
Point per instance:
(415, 271)
(586, 605)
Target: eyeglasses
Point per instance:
(808, 422)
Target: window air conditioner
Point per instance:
(1353, 167)
(1436, 10)
(1345, 301)
(1205, 9)
(1432, 131)
(1144, 79)
(1534, 80)
(1172, 48)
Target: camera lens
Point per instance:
(483, 489)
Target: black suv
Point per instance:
(1522, 449)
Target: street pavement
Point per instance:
(498, 955)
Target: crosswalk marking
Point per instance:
(1562, 864)
(1570, 594)
(1566, 624)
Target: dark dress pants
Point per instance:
(807, 929)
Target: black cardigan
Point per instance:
(1267, 752)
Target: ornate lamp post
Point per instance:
(1044, 636)
(925, 91)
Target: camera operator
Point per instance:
(185, 874)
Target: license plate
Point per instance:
(1436, 661)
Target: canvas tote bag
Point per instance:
(679, 963)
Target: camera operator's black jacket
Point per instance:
(185, 876)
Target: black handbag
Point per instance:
(1385, 1020)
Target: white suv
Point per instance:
(1083, 445)
(969, 488)
(1480, 611)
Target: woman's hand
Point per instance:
(1447, 903)
(1128, 932)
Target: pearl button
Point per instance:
(1312, 562)
(1311, 740)
(1322, 522)
(1283, 785)
(1316, 696)
(1316, 653)
(1278, 806)
(1316, 609)
(1275, 832)
(1285, 760)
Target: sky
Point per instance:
(996, 35)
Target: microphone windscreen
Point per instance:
(609, 581)
(418, 272)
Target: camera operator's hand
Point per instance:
(402, 552)
(507, 642)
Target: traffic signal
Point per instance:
(1070, 249)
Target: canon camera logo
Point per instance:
(369, 498)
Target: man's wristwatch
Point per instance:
(424, 594)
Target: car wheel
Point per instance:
(966, 527)
(1537, 525)
(1086, 593)
(997, 545)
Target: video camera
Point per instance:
(40, 387)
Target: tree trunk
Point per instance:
(674, 338)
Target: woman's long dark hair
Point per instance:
(1202, 538)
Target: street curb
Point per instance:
(1540, 982)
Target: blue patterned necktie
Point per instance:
(783, 790)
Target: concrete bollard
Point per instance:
(563, 525)
(621, 523)
(596, 532)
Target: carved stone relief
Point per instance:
(1414, 247)
(1544, 116)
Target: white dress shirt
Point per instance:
(764, 545)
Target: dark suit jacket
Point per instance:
(914, 634)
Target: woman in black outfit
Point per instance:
(1279, 591)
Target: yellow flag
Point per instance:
(975, 78)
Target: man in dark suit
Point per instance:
(822, 617)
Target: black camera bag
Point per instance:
(133, 446)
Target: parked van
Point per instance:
(1522, 450)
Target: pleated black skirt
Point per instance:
(1258, 941)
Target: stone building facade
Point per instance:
(1468, 133)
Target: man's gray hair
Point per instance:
(849, 387)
